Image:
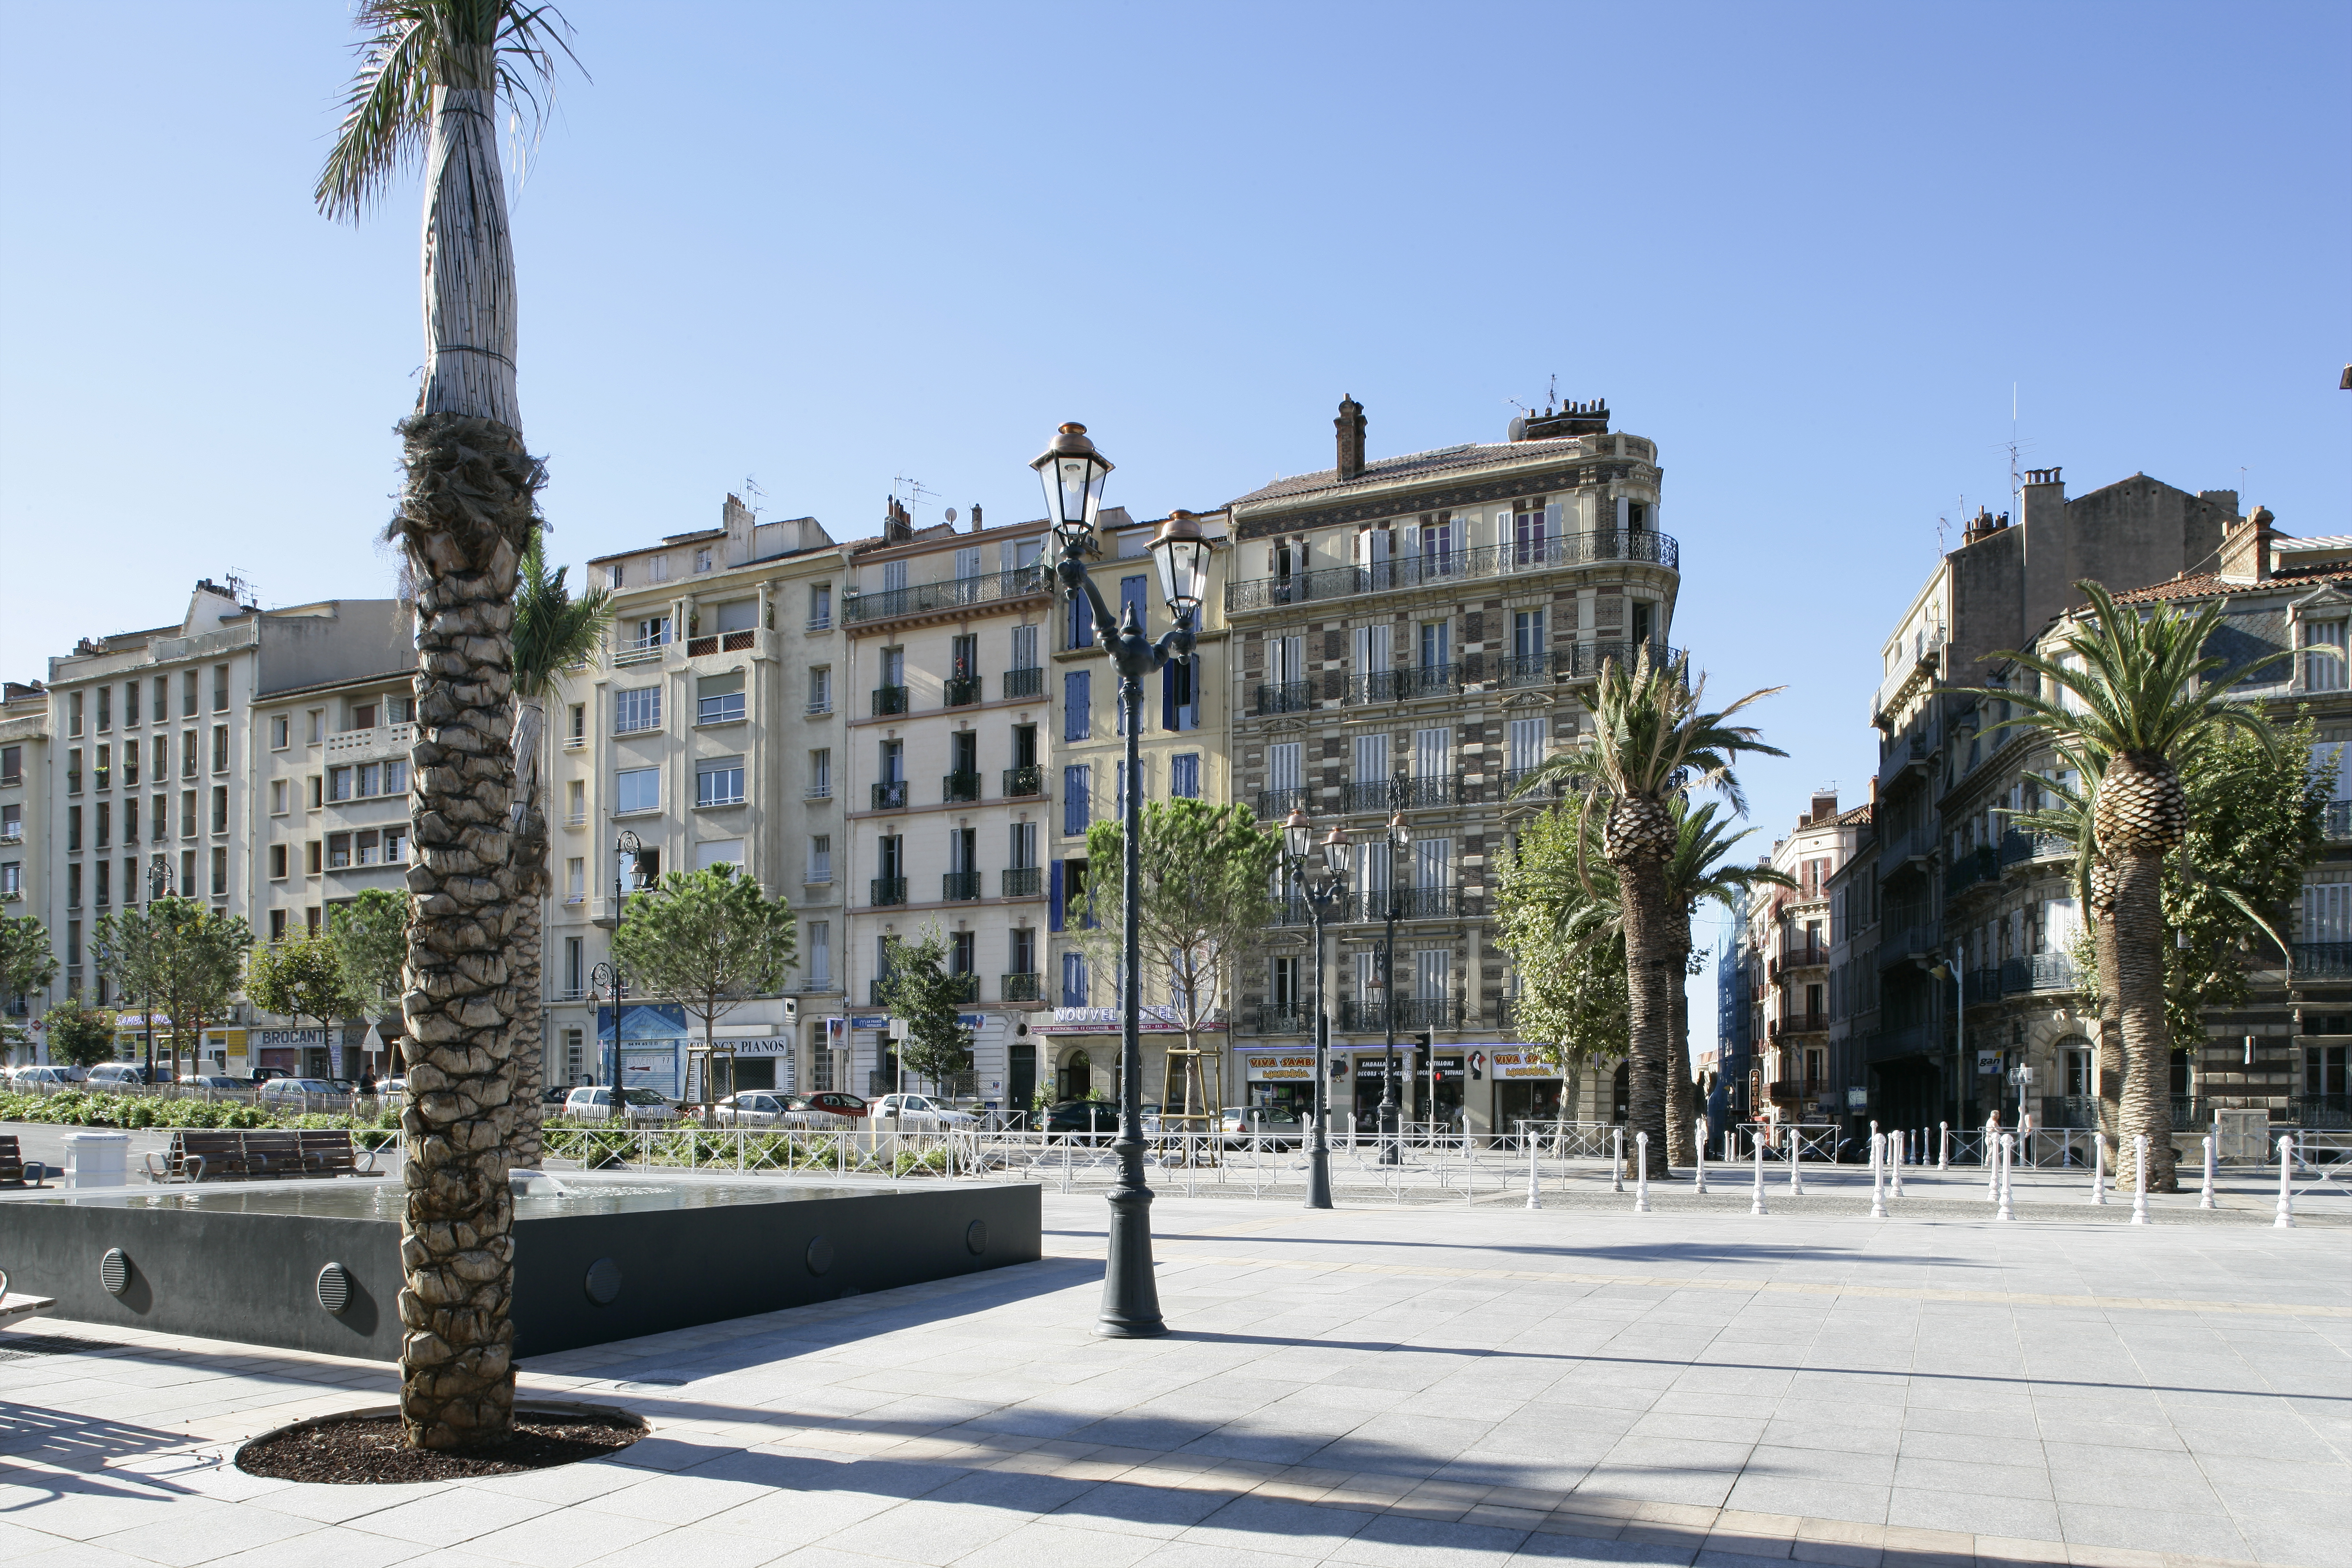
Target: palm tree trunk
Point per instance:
(1680, 1144)
(2139, 1002)
(1652, 976)
(527, 953)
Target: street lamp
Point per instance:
(1399, 845)
(1325, 891)
(159, 881)
(1950, 969)
(625, 850)
(1072, 474)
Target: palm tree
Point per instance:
(553, 633)
(2125, 694)
(1700, 871)
(1650, 741)
(430, 78)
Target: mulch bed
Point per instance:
(368, 1449)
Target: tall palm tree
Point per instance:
(1650, 741)
(553, 633)
(1701, 871)
(2127, 692)
(430, 78)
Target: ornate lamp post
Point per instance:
(1399, 845)
(159, 882)
(1073, 473)
(625, 850)
(1325, 890)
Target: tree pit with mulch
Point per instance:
(368, 1449)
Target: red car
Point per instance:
(831, 1103)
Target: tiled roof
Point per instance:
(1412, 465)
(2207, 585)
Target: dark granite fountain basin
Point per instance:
(316, 1266)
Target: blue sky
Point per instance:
(1808, 250)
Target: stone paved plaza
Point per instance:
(1469, 1388)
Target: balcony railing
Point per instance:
(2323, 960)
(1803, 955)
(821, 790)
(1402, 795)
(725, 642)
(1280, 1020)
(887, 890)
(1492, 561)
(1409, 904)
(1024, 881)
(890, 796)
(2317, 1110)
(962, 690)
(890, 700)
(2336, 822)
(1799, 1024)
(2017, 847)
(924, 599)
(638, 650)
(1976, 868)
(1017, 988)
(954, 787)
(1982, 986)
(2037, 971)
(1275, 804)
(954, 885)
(1029, 781)
(1408, 1013)
(1401, 685)
(1285, 697)
(1797, 1089)
(1019, 683)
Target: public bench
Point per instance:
(260, 1155)
(12, 1166)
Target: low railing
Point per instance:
(1019, 782)
(924, 598)
(887, 890)
(1800, 1024)
(1360, 1012)
(2323, 960)
(725, 642)
(956, 885)
(2037, 971)
(822, 790)
(1285, 697)
(1017, 988)
(1275, 804)
(1019, 683)
(890, 796)
(1641, 545)
(1977, 868)
(890, 700)
(1408, 904)
(2332, 1110)
(638, 650)
(1283, 1020)
(2335, 821)
(1402, 795)
(1805, 955)
(955, 787)
(960, 690)
(1403, 684)
(1024, 881)
(2017, 847)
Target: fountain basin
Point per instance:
(604, 1259)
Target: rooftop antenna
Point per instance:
(2014, 507)
(241, 587)
(751, 487)
(910, 492)
(1551, 396)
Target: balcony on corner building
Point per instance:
(956, 593)
(890, 700)
(956, 788)
(1020, 782)
(955, 886)
(1641, 546)
(1020, 683)
(1285, 697)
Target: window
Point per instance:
(220, 748)
(105, 823)
(73, 713)
(1074, 989)
(1020, 950)
(220, 808)
(647, 632)
(719, 781)
(636, 710)
(892, 761)
(395, 846)
(160, 703)
(11, 763)
(187, 813)
(277, 925)
(894, 576)
(105, 883)
(400, 709)
(657, 569)
(614, 573)
(220, 688)
(362, 780)
(220, 873)
(1022, 852)
(575, 803)
(894, 666)
(1432, 752)
(316, 791)
(1024, 648)
(711, 852)
(73, 885)
(105, 708)
(161, 818)
(967, 561)
(105, 767)
(636, 789)
(163, 754)
(2324, 664)
(820, 691)
(963, 657)
(1282, 983)
(12, 823)
(644, 869)
(1433, 862)
(282, 732)
(339, 850)
(575, 977)
(130, 703)
(187, 694)
(1525, 742)
(317, 729)
(574, 1055)
(719, 698)
(1179, 693)
(1077, 711)
(362, 716)
(1077, 809)
(702, 559)
(1645, 621)
(1436, 644)
(1081, 621)
(188, 873)
(187, 753)
(576, 880)
(819, 959)
(820, 615)
(1432, 967)
(310, 919)
(820, 774)
(820, 857)
(1132, 596)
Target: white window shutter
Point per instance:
(1552, 521)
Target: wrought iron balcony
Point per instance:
(1029, 781)
(962, 987)
(1406, 1013)
(1400, 685)
(1024, 881)
(1283, 1020)
(1799, 1024)
(2017, 847)
(1586, 659)
(1975, 868)
(955, 787)
(1982, 984)
(2038, 972)
(890, 700)
(2317, 1110)
(2336, 822)
(1272, 804)
(2323, 960)
(924, 598)
(1017, 988)
(1640, 545)
(956, 885)
(890, 796)
(962, 690)
(889, 890)
(1018, 683)
(1408, 903)
(1285, 697)
(1402, 793)
(1524, 670)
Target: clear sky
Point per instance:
(1809, 249)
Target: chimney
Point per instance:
(1825, 806)
(2246, 548)
(1984, 525)
(975, 517)
(1350, 425)
(897, 526)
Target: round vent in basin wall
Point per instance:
(334, 1286)
(820, 1256)
(975, 1237)
(114, 1271)
(604, 1282)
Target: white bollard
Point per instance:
(1796, 1148)
(1877, 1177)
(1535, 1201)
(1894, 1165)
(1641, 1173)
(2205, 1194)
(2007, 1151)
(1698, 1175)
(2098, 1168)
(2285, 1216)
(1943, 1146)
(1992, 1163)
(1617, 1160)
(1756, 1204)
(2140, 1179)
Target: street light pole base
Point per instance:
(1319, 1179)
(1131, 1301)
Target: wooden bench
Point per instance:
(259, 1155)
(333, 1153)
(12, 1166)
(200, 1155)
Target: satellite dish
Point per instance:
(1517, 429)
(951, 514)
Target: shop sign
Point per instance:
(1988, 1062)
(774, 1046)
(1112, 1021)
(1278, 1067)
(877, 1021)
(290, 1039)
(1857, 1099)
(1518, 1062)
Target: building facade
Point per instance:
(1792, 934)
(25, 775)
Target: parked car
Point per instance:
(592, 1103)
(394, 1088)
(830, 1107)
(1082, 1121)
(301, 1091)
(263, 1075)
(551, 1094)
(1269, 1127)
(117, 1075)
(752, 1108)
(217, 1082)
(919, 1113)
(46, 1077)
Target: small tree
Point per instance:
(200, 966)
(1206, 878)
(1568, 948)
(80, 1036)
(130, 946)
(706, 939)
(26, 962)
(919, 992)
(303, 978)
(370, 937)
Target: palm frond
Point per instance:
(553, 630)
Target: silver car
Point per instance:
(590, 1103)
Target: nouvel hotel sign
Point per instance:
(1106, 1021)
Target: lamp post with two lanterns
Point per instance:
(1400, 844)
(1325, 890)
(625, 850)
(1074, 473)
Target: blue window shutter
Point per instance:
(1077, 711)
(1130, 596)
(1082, 621)
(1167, 693)
(1054, 897)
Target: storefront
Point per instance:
(653, 1044)
(1276, 1080)
(298, 1053)
(1370, 1071)
(742, 1062)
(1527, 1087)
(1077, 1048)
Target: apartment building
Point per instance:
(1853, 901)
(24, 815)
(947, 700)
(1184, 755)
(1790, 932)
(705, 729)
(1414, 633)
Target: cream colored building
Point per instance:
(1790, 932)
(23, 824)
